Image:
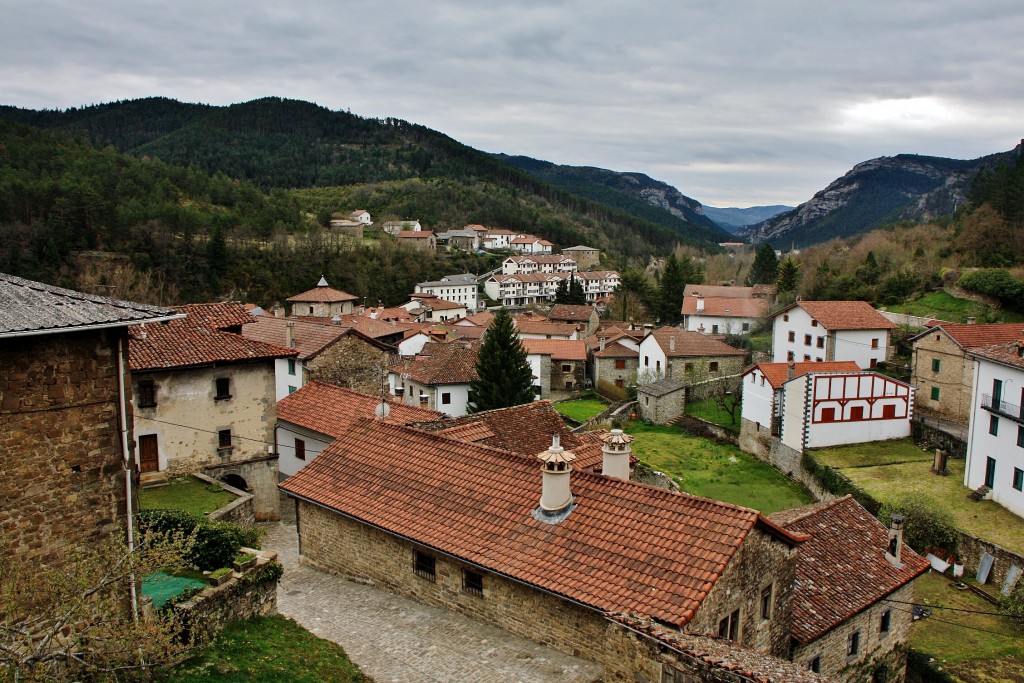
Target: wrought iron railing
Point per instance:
(1004, 408)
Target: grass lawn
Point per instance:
(722, 472)
(874, 453)
(581, 409)
(946, 307)
(267, 650)
(185, 493)
(972, 647)
(985, 519)
(706, 409)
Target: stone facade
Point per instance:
(64, 475)
(607, 372)
(567, 375)
(661, 409)
(351, 362)
(880, 654)
(952, 380)
(258, 475)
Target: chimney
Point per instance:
(615, 452)
(399, 392)
(970, 320)
(671, 344)
(336, 320)
(892, 551)
(555, 497)
(424, 400)
(700, 304)
(289, 335)
(790, 370)
(601, 341)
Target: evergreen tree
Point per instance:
(577, 295)
(504, 377)
(562, 292)
(789, 275)
(670, 290)
(765, 269)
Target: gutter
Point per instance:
(122, 401)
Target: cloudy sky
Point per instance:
(735, 103)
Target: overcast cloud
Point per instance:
(736, 104)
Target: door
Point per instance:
(990, 472)
(997, 393)
(149, 454)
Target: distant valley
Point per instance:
(731, 218)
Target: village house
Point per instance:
(361, 216)
(348, 227)
(689, 357)
(312, 418)
(461, 288)
(585, 318)
(517, 291)
(943, 371)
(615, 362)
(491, 534)
(586, 257)
(524, 265)
(540, 328)
(394, 227)
(661, 401)
(497, 238)
(323, 301)
(423, 240)
(557, 364)
(995, 440)
(66, 427)
(204, 400)
(598, 285)
(528, 244)
(725, 310)
(467, 240)
(830, 330)
(437, 378)
(430, 308)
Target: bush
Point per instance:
(998, 284)
(216, 543)
(1013, 605)
(926, 523)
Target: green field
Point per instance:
(706, 409)
(185, 493)
(719, 471)
(267, 650)
(581, 409)
(945, 307)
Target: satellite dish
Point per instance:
(382, 410)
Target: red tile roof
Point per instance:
(777, 374)
(215, 316)
(843, 315)
(692, 344)
(727, 307)
(973, 336)
(558, 349)
(571, 312)
(442, 304)
(615, 350)
(483, 318)
(310, 338)
(1007, 354)
(415, 234)
(179, 346)
(333, 410)
(625, 547)
(323, 295)
(443, 363)
(545, 327)
(842, 570)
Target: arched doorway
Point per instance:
(235, 481)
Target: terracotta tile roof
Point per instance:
(641, 549)
(484, 318)
(216, 316)
(615, 350)
(443, 304)
(323, 295)
(571, 312)
(597, 274)
(28, 307)
(545, 327)
(1007, 354)
(718, 291)
(692, 344)
(725, 307)
(843, 315)
(973, 336)
(580, 247)
(777, 374)
(457, 331)
(179, 346)
(310, 338)
(414, 234)
(443, 363)
(842, 570)
(333, 410)
(558, 349)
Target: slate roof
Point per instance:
(1007, 354)
(777, 374)
(661, 387)
(333, 410)
(692, 344)
(159, 347)
(443, 363)
(451, 281)
(625, 547)
(973, 336)
(32, 308)
(842, 570)
(580, 247)
(571, 312)
(558, 349)
(323, 294)
(842, 315)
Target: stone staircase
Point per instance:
(980, 493)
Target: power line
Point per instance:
(953, 623)
(954, 609)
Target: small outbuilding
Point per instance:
(661, 401)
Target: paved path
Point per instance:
(395, 639)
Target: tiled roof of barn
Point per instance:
(332, 410)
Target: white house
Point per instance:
(361, 216)
(725, 310)
(763, 386)
(438, 378)
(516, 265)
(598, 284)
(528, 244)
(686, 356)
(434, 309)
(461, 288)
(394, 227)
(815, 331)
(995, 441)
(497, 238)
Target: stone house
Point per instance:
(585, 318)
(204, 400)
(489, 533)
(466, 239)
(615, 361)
(945, 373)
(688, 357)
(423, 240)
(830, 330)
(66, 428)
(394, 227)
(323, 301)
(661, 401)
(437, 378)
(567, 369)
(851, 604)
(586, 257)
(310, 419)
(307, 338)
(725, 310)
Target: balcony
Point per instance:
(1010, 410)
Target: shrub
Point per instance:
(1013, 605)
(216, 543)
(926, 523)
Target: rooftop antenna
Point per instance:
(383, 409)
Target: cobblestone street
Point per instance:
(395, 639)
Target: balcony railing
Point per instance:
(1010, 410)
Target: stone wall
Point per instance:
(924, 433)
(559, 376)
(239, 511)
(260, 475)
(695, 370)
(971, 550)
(759, 442)
(351, 362)
(64, 479)
(661, 409)
(876, 649)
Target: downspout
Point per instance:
(123, 410)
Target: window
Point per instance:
(935, 393)
(147, 393)
(1020, 436)
(424, 565)
(446, 398)
(828, 415)
(936, 364)
(746, 327)
(311, 310)
(792, 336)
(291, 366)
(729, 627)
(472, 582)
(820, 342)
(620, 383)
(886, 622)
(300, 449)
(993, 425)
(853, 644)
(874, 343)
(766, 602)
(566, 367)
(223, 387)
(789, 356)
(807, 340)
(889, 412)
(620, 363)
(856, 412)
(714, 329)
(713, 366)
(785, 318)
(224, 440)
(291, 389)
(1018, 479)
(807, 358)
(647, 361)
(814, 323)
(873, 363)
(814, 665)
